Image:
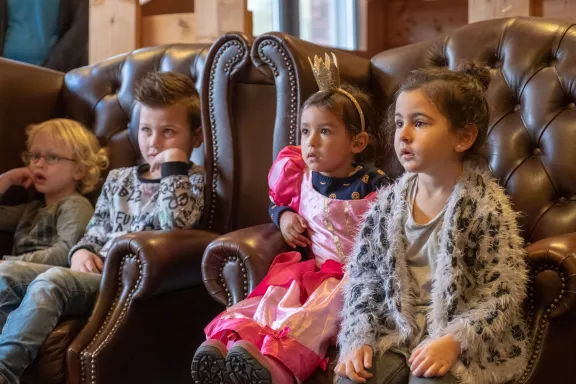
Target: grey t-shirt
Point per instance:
(421, 253)
(45, 235)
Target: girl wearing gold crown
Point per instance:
(319, 193)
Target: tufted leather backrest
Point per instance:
(102, 95)
(531, 146)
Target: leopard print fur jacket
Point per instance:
(478, 287)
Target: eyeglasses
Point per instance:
(33, 157)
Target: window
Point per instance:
(263, 16)
(331, 23)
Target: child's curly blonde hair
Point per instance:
(83, 145)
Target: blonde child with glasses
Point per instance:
(63, 161)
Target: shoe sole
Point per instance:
(209, 366)
(243, 368)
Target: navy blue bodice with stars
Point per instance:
(357, 186)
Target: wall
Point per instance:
(393, 23)
(409, 21)
(559, 9)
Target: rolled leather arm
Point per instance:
(235, 263)
(140, 267)
(555, 259)
(550, 309)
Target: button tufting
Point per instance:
(562, 200)
(516, 107)
(571, 105)
(537, 152)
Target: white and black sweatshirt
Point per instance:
(130, 203)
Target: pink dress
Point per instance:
(293, 314)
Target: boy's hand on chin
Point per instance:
(435, 358)
(171, 154)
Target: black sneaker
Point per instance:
(244, 367)
(209, 364)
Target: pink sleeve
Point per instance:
(285, 178)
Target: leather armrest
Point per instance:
(235, 263)
(140, 267)
(166, 260)
(553, 274)
(550, 309)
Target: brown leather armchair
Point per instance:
(531, 151)
(153, 305)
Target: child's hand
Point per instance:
(293, 226)
(171, 154)
(354, 365)
(18, 176)
(85, 261)
(435, 358)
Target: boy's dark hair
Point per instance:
(340, 105)
(458, 95)
(165, 89)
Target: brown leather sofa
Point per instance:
(531, 150)
(153, 305)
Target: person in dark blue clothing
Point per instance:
(49, 33)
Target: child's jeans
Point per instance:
(391, 368)
(33, 298)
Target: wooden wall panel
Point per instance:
(114, 28)
(393, 23)
(495, 9)
(410, 21)
(219, 17)
(559, 9)
(168, 29)
(375, 34)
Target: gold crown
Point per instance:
(328, 79)
(327, 75)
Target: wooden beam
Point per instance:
(165, 7)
